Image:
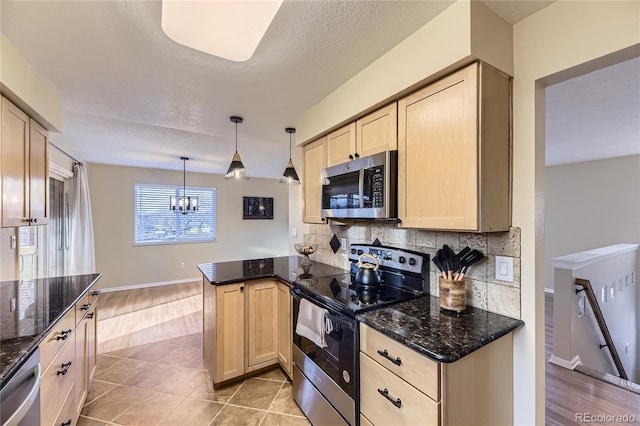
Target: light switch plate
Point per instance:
(504, 268)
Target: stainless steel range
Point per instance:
(326, 373)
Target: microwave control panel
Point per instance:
(377, 186)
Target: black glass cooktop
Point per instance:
(339, 292)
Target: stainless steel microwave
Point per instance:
(364, 188)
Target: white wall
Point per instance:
(577, 339)
(562, 36)
(590, 204)
(24, 87)
(123, 264)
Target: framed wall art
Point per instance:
(257, 208)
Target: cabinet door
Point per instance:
(284, 328)
(38, 174)
(262, 323)
(92, 342)
(229, 355)
(341, 145)
(314, 159)
(14, 158)
(438, 154)
(82, 372)
(378, 131)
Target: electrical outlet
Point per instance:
(294, 232)
(343, 244)
(581, 305)
(13, 242)
(181, 265)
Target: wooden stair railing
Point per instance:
(593, 301)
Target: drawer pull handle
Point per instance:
(96, 293)
(64, 335)
(67, 423)
(90, 315)
(385, 354)
(65, 368)
(85, 307)
(385, 392)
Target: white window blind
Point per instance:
(156, 223)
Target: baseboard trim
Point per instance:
(147, 285)
(561, 362)
(549, 290)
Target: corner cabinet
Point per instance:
(454, 159)
(314, 159)
(24, 168)
(371, 134)
(400, 386)
(245, 328)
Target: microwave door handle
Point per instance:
(361, 187)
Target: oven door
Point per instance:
(333, 369)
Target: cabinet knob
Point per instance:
(357, 155)
(96, 293)
(242, 288)
(350, 157)
(85, 307)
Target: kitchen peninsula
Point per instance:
(453, 357)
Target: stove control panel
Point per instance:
(390, 257)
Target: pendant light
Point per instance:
(290, 177)
(236, 170)
(183, 204)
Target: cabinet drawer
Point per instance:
(415, 368)
(67, 414)
(61, 333)
(415, 408)
(364, 421)
(56, 382)
(82, 308)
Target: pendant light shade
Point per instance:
(236, 171)
(183, 204)
(290, 177)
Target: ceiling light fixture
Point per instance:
(227, 29)
(290, 177)
(236, 170)
(183, 204)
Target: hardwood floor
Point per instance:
(570, 393)
(137, 317)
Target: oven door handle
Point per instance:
(333, 316)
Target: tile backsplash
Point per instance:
(483, 289)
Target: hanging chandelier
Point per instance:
(289, 176)
(183, 204)
(236, 171)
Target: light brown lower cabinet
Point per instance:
(68, 358)
(246, 326)
(400, 386)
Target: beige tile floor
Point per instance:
(164, 383)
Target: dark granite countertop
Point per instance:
(286, 268)
(40, 304)
(443, 336)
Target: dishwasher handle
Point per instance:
(24, 407)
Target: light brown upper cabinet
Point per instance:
(454, 159)
(314, 159)
(24, 166)
(374, 133)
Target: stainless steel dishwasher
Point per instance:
(20, 397)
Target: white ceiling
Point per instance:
(594, 116)
(132, 96)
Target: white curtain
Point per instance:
(81, 250)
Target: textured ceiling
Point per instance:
(132, 96)
(594, 116)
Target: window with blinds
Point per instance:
(156, 223)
